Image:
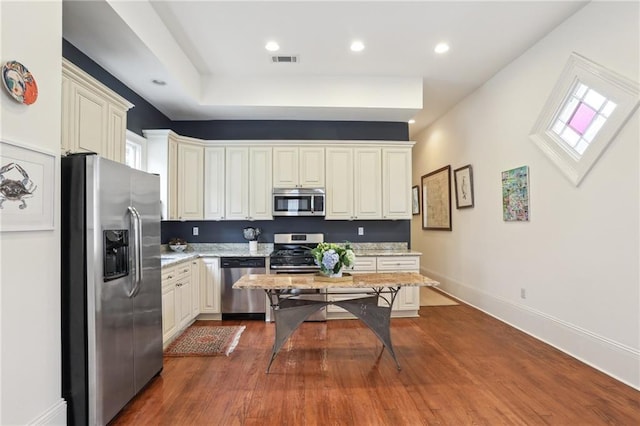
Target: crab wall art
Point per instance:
(15, 190)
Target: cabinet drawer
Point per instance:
(399, 263)
(183, 269)
(365, 264)
(168, 274)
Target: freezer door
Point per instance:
(109, 305)
(147, 303)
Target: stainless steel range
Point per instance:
(292, 255)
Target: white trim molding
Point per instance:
(614, 87)
(612, 358)
(55, 415)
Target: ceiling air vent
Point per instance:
(285, 59)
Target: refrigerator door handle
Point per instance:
(137, 251)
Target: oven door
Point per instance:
(310, 294)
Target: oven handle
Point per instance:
(289, 268)
(293, 271)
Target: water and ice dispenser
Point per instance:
(116, 253)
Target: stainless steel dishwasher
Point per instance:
(242, 304)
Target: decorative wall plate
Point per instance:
(19, 82)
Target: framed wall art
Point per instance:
(27, 185)
(463, 182)
(515, 194)
(436, 200)
(415, 200)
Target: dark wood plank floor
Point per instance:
(459, 367)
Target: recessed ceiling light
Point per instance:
(159, 82)
(441, 48)
(272, 46)
(412, 121)
(357, 46)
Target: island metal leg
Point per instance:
(289, 313)
(377, 318)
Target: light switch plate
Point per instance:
(360, 230)
(196, 231)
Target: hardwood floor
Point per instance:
(459, 367)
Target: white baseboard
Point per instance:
(612, 358)
(55, 415)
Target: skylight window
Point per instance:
(583, 115)
(585, 111)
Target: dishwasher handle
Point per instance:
(242, 262)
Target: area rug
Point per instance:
(429, 297)
(206, 341)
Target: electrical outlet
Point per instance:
(523, 293)
(360, 230)
(196, 231)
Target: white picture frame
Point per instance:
(27, 186)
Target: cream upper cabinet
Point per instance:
(396, 183)
(354, 183)
(367, 180)
(190, 185)
(260, 187)
(237, 183)
(339, 188)
(248, 183)
(214, 172)
(180, 165)
(94, 118)
(298, 167)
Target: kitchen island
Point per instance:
(290, 308)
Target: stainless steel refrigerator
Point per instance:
(111, 286)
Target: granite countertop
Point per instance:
(373, 280)
(386, 252)
(195, 250)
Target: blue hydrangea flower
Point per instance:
(329, 259)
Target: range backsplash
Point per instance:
(334, 230)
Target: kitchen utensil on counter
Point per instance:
(251, 234)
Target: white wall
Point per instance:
(578, 255)
(29, 261)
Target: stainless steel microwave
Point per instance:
(298, 201)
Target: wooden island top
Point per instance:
(300, 281)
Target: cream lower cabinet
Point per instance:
(364, 264)
(169, 302)
(195, 287)
(408, 298)
(177, 300)
(209, 285)
(407, 302)
(94, 118)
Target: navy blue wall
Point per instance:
(146, 116)
(290, 129)
(334, 230)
